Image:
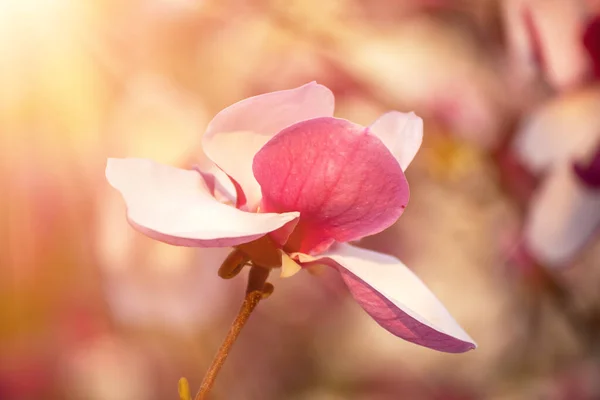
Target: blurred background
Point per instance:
(501, 225)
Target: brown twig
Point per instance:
(257, 290)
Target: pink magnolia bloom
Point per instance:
(292, 186)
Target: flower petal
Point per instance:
(344, 182)
(175, 206)
(591, 41)
(561, 131)
(235, 134)
(396, 298)
(588, 169)
(533, 37)
(289, 267)
(218, 182)
(402, 133)
(564, 216)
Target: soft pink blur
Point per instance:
(92, 310)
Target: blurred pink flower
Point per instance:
(559, 142)
(536, 46)
(564, 216)
(311, 182)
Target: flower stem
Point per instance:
(257, 290)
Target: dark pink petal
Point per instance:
(591, 41)
(343, 180)
(402, 133)
(176, 206)
(235, 134)
(588, 171)
(395, 297)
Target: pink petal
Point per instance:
(344, 182)
(402, 133)
(396, 298)
(564, 216)
(591, 41)
(235, 134)
(533, 36)
(175, 206)
(560, 131)
(588, 169)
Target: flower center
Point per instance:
(263, 253)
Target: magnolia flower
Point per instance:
(560, 142)
(293, 185)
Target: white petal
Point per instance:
(175, 206)
(395, 297)
(564, 215)
(560, 131)
(236, 133)
(402, 133)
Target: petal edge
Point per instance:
(395, 298)
(175, 206)
(239, 131)
(402, 133)
(345, 182)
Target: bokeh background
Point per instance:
(501, 225)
